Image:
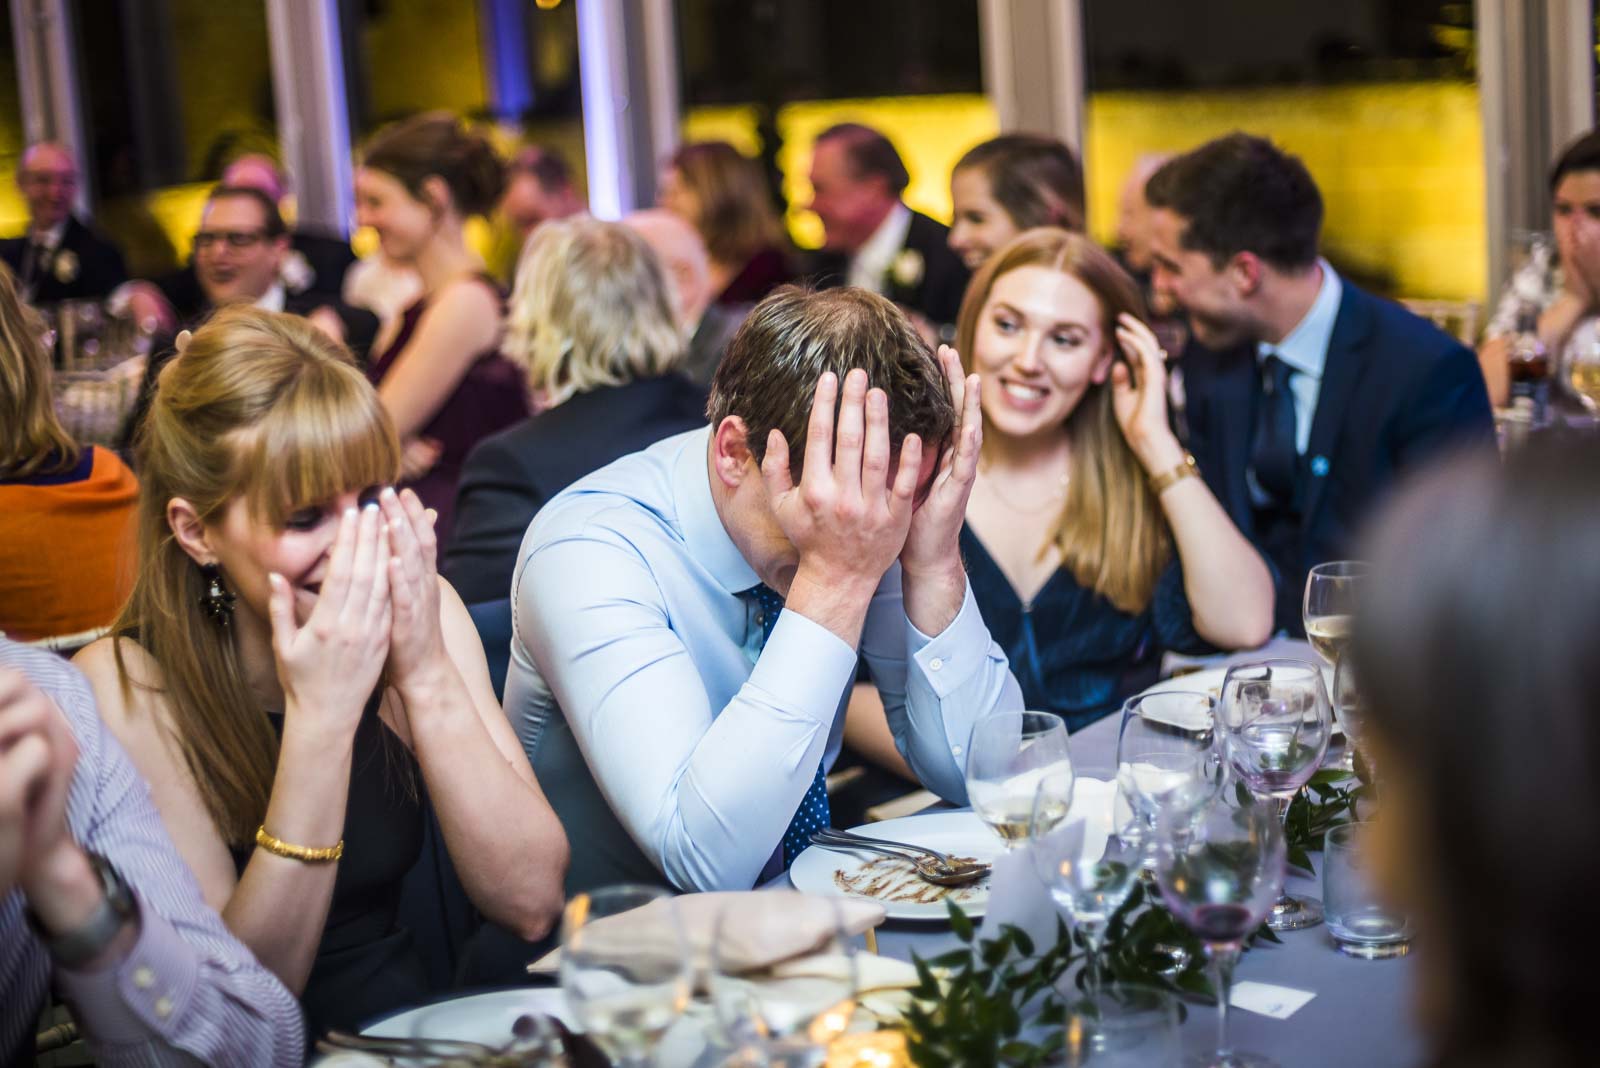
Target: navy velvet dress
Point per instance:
(1072, 651)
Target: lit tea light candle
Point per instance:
(875, 1049)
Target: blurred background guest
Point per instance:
(1474, 645)
(66, 512)
(871, 238)
(60, 257)
(1133, 230)
(438, 368)
(708, 326)
(1556, 293)
(1307, 397)
(538, 189)
(289, 696)
(382, 286)
(724, 195)
(1009, 184)
(592, 322)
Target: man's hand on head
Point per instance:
(847, 519)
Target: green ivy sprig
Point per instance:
(1329, 799)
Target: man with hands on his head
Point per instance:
(95, 899)
(688, 618)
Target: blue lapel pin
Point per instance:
(1319, 466)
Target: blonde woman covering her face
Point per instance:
(291, 675)
(1089, 546)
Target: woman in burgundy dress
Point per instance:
(724, 196)
(438, 369)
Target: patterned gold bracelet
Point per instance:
(278, 847)
(1167, 479)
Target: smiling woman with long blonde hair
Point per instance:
(295, 681)
(1089, 546)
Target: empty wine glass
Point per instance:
(1276, 720)
(786, 1013)
(1009, 756)
(1088, 870)
(1168, 757)
(1219, 875)
(625, 968)
(1326, 611)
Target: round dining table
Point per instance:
(1361, 1014)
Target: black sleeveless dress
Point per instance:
(367, 965)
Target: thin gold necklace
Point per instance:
(1053, 500)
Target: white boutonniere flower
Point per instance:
(906, 271)
(296, 272)
(65, 267)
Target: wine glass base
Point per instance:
(1294, 914)
(1229, 1060)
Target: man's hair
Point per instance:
(1242, 194)
(1582, 155)
(870, 154)
(546, 167)
(769, 374)
(271, 216)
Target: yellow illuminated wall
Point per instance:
(1400, 165)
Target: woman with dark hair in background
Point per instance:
(724, 196)
(66, 512)
(1475, 647)
(438, 367)
(1012, 183)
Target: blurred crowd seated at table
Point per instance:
(628, 473)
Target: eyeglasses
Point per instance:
(238, 239)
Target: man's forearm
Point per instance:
(933, 598)
(837, 602)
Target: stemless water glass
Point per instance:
(1219, 875)
(783, 1014)
(1168, 757)
(1088, 870)
(626, 968)
(1359, 922)
(1276, 720)
(1122, 1026)
(1009, 756)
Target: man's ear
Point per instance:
(1246, 270)
(189, 531)
(730, 452)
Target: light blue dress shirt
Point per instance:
(1305, 350)
(631, 619)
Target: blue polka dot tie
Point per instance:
(812, 815)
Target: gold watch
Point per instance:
(1167, 479)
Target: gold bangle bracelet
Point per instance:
(279, 848)
(1167, 479)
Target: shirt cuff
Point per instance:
(811, 668)
(146, 994)
(948, 660)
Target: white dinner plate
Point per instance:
(828, 871)
(1210, 680)
(488, 1018)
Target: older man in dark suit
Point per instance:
(871, 238)
(59, 258)
(1307, 397)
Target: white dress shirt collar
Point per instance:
(707, 539)
(51, 238)
(869, 268)
(272, 299)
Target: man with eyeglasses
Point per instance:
(59, 258)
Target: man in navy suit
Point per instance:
(1307, 398)
(871, 238)
(59, 258)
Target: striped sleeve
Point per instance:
(188, 989)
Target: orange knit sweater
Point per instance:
(66, 548)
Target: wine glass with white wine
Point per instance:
(1330, 603)
(1010, 758)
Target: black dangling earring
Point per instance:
(216, 602)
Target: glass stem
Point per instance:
(1094, 941)
(1283, 803)
(1223, 956)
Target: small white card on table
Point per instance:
(1278, 1002)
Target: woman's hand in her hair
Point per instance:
(1139, 396)
(416, 640)
(330, 665)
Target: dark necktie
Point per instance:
(812, 815)
(1273, 456)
